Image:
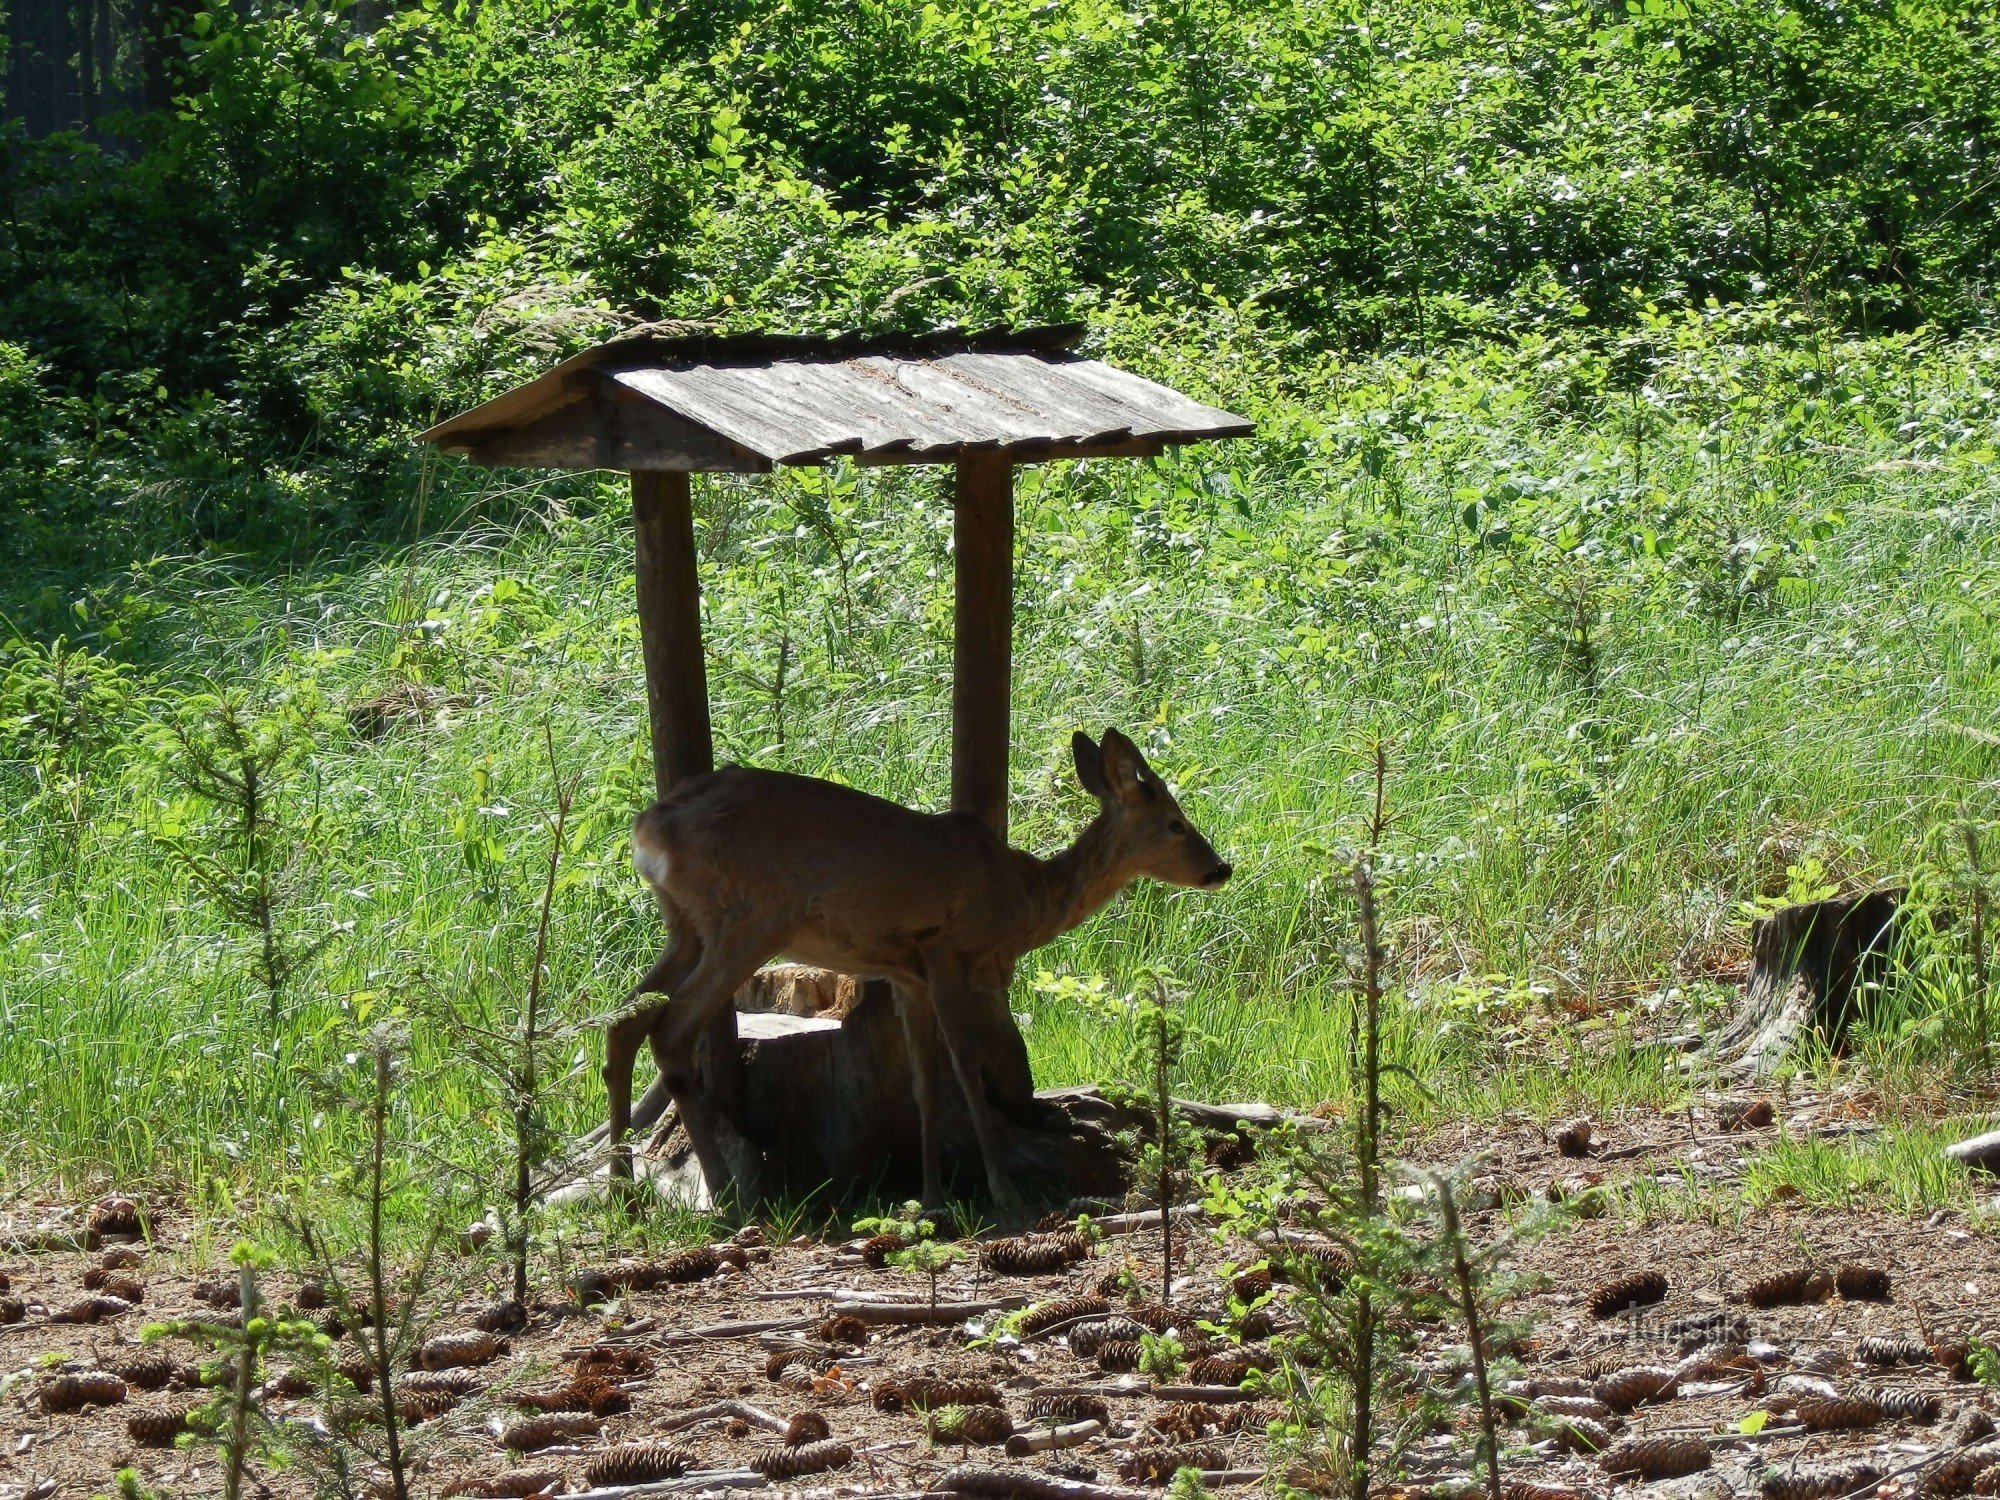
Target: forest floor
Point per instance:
(709, 1342)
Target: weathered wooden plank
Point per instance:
(600, 431)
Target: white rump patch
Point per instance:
(651, 863)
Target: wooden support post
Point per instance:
(983, 639)
(670, 626)
(677, 704)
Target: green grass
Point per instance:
(1630, 677)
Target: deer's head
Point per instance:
(1150, 834)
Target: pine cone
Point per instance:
(1819, 1481)
(310, 1297)
(615, 1361)
(218, 1291)
(799, 1380)
(1575, 1139)
(1788, 1288)
(74, 1392)
(1085, 1339)
(546, 1432)
(508, 1484)
(1958, 1471)
(117, 1216)
(1573, 1406)
(1862, 1283)
(92, 1309)
(1186, 1421)
(505, 1316)
(1062, 1410)
(1714, 1326)
(421, 1406)
(845, 1329)
(448, 1351)
(813, 1361)
(1580, 1434)
(148, 1369)
(292, 1383)
(697, 1264)
(781, 1461)
(1640, 1289)
(1158, 1465)
(1878, 1350)
(1842, 1413)
(1118, 1356)
(1325, 1267)
(1046, 1316)
(1955, 1355)
(458, 1382)
(877, 1250)
(1034, 1254)
(158, 1426)
(1227, 1369)
(1987, 1481)
(925, 1393)
(1624, 1389)
(637, 1463)
(1969, 1425)
(1750, 1114)
(12, 1310)
(806, 1427)
(977, 1424)
(584, 1392)
(1526, 1489)
(1247, 1286)
(355, 1367)
(1157, 1317)
(1657, 1457)
(1907, 1405)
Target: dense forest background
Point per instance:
(246, 249)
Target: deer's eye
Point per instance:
(1177, 826)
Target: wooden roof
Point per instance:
(746, 402)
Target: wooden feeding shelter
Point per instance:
(664, 407)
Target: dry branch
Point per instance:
(1023, 1484)
(701, 1479)
(915, 1312)
(1021, 1444)
(743, 1410)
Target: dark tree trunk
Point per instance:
(159, 29)
(1809, 967)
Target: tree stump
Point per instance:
(1809, 968)
(826, 1103)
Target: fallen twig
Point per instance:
(743, 1410)
(1149, 1218)
(1025, 1484)
(719, 1331)
(1021, 1444)
(914, 1312)
(1213, 1395)
(700, 1479)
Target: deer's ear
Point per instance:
(1089, 765)
(1124, 768)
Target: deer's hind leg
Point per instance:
(728, 1161)
(920, 1040)
(951, 1000)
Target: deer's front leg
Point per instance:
(952, 1000)
(920, 1040)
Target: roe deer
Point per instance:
(750, 865)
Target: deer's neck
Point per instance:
(1079, 880)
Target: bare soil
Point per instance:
(1944, 1274)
